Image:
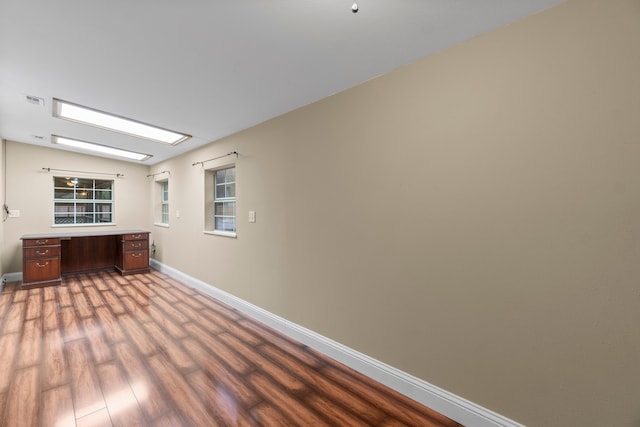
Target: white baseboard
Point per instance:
(448, 404)
(10, 277)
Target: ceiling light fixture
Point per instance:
(90, 146)
(81, 114)
(354, 7)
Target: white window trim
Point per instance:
(222, 233)
(91, 224)
(159, 184)
(209, 188)
(106, 224)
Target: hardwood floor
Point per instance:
(145, 350)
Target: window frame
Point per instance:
(59, 202)
(212, 200)
(162, 192)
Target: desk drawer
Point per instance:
(136, 245)
(40, 242)
(41, 252)
(136, 236)
(39, 270)
(135, 260)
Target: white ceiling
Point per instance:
(211, 68)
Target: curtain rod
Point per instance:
(158, 173)
(215, 158)
(117, 175)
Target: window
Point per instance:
(225, 200)
(82, 201)
(162, 208)
(164, 202)
(220, 198)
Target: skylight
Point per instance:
(78, 113)
(89, 146)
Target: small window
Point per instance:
(82, 201)
(164, 202)
(225, 200)
(220, 211)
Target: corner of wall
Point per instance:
(3, 185)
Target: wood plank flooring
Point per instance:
(146, 350)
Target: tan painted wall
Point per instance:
(30, 190)
(471, 219)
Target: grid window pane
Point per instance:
(231, 175)
(84, 194)
(165, 214)
(82, 201)
(62, 182)
(224, 211)
(64, 193)
(103, 184)
(220, 193)
(103, 194)
(164, 202)
(226, 224)
(164, 192)
(84, 184)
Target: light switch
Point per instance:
(14, 213)
(252, 216)
(177, 214)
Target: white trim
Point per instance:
(220, 233)
(84, 224)
(448, 404)
(10, 277)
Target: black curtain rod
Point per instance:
(215, 158)
(158, 173)
(117, 175)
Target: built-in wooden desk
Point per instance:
(46, 257)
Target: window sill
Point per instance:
(97, 224)
(161, 224)
(221, 233)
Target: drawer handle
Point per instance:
(42, 253)
(42, 265)
(42, 242)
(136, 245)
(138, 255)
(137, 236)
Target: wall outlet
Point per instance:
(14, 213)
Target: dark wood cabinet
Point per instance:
(45, 258)
(40, 262)
(133, 253)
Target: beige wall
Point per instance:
(30, 190)
(471, 219)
